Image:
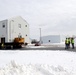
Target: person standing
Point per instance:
(72, 43)
(66, 43)
(69, 40)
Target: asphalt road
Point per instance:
(46, 48)
(51, 48)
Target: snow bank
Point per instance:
(37, 62)
(15, 69)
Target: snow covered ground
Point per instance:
(37, 62)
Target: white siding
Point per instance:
(51, 39)
(15, 30)
(3, 30)
(12, 29)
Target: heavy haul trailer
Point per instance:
(14, 32)
(17, 43)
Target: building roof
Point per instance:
(14, 18)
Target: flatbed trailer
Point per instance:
(17, 43)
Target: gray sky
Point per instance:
(52, 16)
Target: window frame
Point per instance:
(3, 25)
(19, 25)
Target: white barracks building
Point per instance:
(12, 28)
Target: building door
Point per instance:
(3, 40)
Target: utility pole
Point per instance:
(40, 35)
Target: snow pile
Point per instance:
(37, 62)
(37, 69)
(15, 69)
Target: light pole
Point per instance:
(40, 36)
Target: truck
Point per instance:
(14, 32)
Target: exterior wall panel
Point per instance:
(12, 29)
(51, 39)
(3, 30)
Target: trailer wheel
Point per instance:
(19, 46)
(14, 46)
(2, 46)
(26, 44)
(11, 47)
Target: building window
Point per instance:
(3, 25)
(49, 40)
(19, 36)
(25, 25)
(19, 25)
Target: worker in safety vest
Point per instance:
(72, 43)
(66, 43)
(69, 41)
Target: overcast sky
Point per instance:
(52, 16)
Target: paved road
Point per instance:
(50, 48)
(47, 48)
